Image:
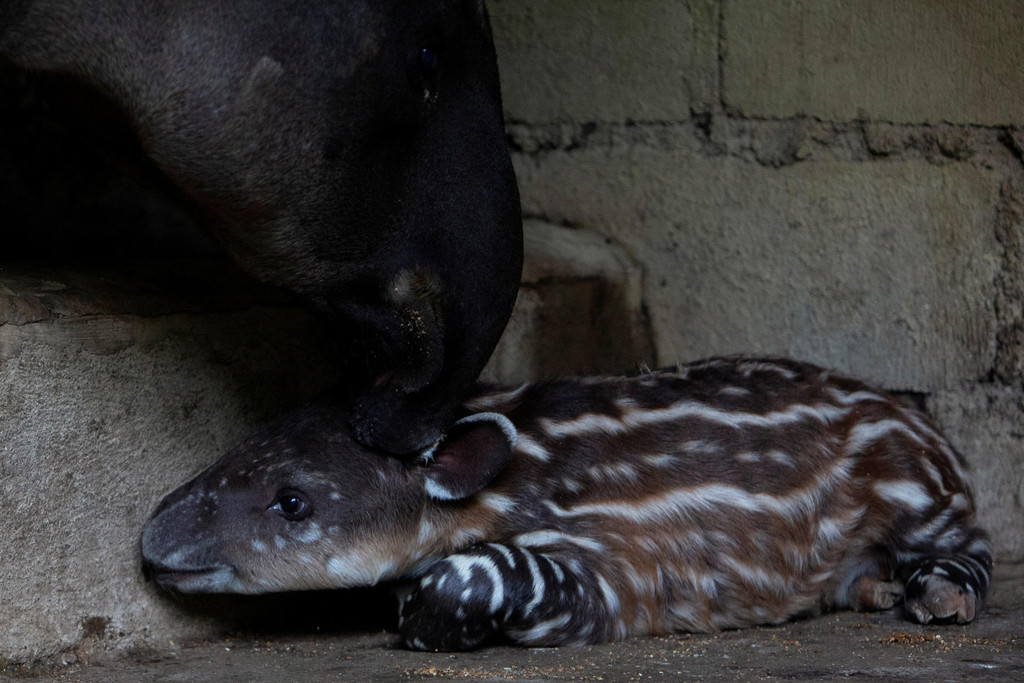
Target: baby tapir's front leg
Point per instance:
(493, 590)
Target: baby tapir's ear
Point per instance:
(473, 452)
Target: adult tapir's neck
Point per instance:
(102, 41)
(11, 13)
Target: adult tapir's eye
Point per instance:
(428, 60)
(426, 72)
(291, 504)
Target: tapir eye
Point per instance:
(426, 73)
(428, 60)
(291, 504)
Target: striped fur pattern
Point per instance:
(720, 494)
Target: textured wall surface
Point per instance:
(580, 309)
(906, 62)
(837, 181)
(832, 180)
(112, 393)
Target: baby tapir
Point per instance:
(720, 494)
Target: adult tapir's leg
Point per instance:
(352, 152)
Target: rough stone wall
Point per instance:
(831, 180)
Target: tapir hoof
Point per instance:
(942, 602)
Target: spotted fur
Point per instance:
(720, 494)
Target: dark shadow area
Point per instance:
(328, 612)
(75, 181)
(131, 286)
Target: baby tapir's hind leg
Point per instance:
(494, 590)
(939, 567)
(919, 517)
(945, 563)
(949, 589)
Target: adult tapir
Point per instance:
(352, 151)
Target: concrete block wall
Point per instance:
(580, 309)
(831, 180)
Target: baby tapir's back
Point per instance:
(722, 494)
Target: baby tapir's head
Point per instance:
(301, 505)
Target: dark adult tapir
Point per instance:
(351, 151)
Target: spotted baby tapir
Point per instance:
(720, 494)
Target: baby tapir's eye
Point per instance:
(291, 504)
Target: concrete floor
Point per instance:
(834, 646)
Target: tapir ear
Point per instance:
(473, 452)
